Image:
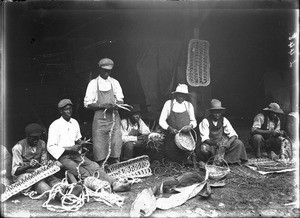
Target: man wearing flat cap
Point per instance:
(219, 139)
(177, 115)
(266, 133)
(64, 144)
(102, 95)
(28, 155)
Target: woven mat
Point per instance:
(266, 166)
(198, 64)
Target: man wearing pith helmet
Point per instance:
(102, 95)
(266, 133)
(219, 139)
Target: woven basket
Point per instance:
(186, 141)
(217, 172)
(137, 167)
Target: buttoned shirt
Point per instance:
(204, 129)
(259, 120)
(127, 127)
(177, 108)
(91, 95)
(62, 134)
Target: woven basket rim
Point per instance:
(179, 145)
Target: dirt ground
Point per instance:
(245, 194)
(242, 196)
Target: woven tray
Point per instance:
(39, 174)
(198, 64)
(186, 141)
(133, 168)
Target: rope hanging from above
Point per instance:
(198, 64)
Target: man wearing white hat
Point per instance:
(219, 139)
(177, 114)
(102, 95)
(266, 133)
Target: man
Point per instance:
(28, 155)
(102, 95)
(64, 144)
(266, 133)
(219, 139)
(177, 114)
(134, 133)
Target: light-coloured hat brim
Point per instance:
(107, 67)
(181, 93)
(275, 111)
(217, 108)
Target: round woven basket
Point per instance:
(186, 141)
(217, 172)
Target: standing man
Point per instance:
(177, 114)
(64, 144)
(102, 95)
(218, 138)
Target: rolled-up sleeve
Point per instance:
(164, 115)
(17, 160)
(53, 146)
(90, 94)
(118, 92)
(191, 111)
(204, 130)
(228, 129)
(125, 132)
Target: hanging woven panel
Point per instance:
(198, 65)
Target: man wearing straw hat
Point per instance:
(177, 115)
(266, 133)
(219, 139)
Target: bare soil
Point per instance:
(242, 196)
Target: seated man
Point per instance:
(266, 134)
(219, 139)
(64, 144)
(28, 155)
(134, 133)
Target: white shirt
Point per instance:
(204, 129)
(62, 134)
(144, 130)
(177, 108)
(259, 120)
(91, 95)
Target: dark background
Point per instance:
(51, 50)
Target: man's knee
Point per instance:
(257, 138)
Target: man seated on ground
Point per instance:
(266, 134)
(177, 115)
(64, 144)
(134, 133)
(28, 155)
(219, 139)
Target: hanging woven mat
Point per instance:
(186, 141)
(138, 167)
(198, 64)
